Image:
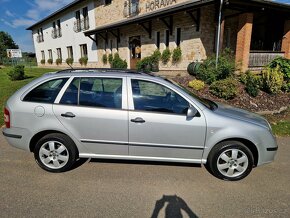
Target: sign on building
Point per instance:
(14, 53)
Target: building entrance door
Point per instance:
(135, 50)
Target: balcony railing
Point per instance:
(56, 33)
(262, 58)
(81, 25)
(39, 38)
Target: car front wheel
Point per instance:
(230, 160)
(55, 153)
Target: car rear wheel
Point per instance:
(55, 153)
(230, 160)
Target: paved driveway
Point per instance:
(104, 189)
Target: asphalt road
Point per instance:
(122, 189)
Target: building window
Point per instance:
(58, 51)
(50, 54)
(40, 35)
(70, 52)
(77, 23)
(42, 55)
(178, 36)
(85, 22)
(157, 40)
(167, 38)
(107, 2)
(56, 29)
(84, 50)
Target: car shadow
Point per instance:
(173, 206)
(140, 162)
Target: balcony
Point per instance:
(56, 33)
(39, 38)
(81, 25)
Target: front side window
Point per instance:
(46, 92)
(150, 96)
(95, 92)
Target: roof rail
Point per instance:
(98, 70)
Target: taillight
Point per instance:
(7, 117)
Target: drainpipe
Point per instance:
(219, 33)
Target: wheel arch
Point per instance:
(249, 144)
(43, 133)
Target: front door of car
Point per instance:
(91, 110)
(159, 126)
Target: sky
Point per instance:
(17, 15)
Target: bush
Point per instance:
(17, 73)
(208, 71)
(176, 55)
(150, 63)
(286, 86)
(49, 61)
(252, 83)
(196, 84)
(118, 63)
(58, 61)
(42, 61)
(83, 61)
(284, 66)
(193, 67)
(226, 88)
(105, 59)
(69, 61)
(272, 79)
(156, 56)
(165, 56)
(110, 58)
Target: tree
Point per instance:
(6, 42)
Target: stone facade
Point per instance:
(195, 45)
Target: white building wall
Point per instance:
(69, 36)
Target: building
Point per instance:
(256, 30)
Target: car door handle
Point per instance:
(138, 120)
(68, 114)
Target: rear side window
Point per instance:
(95, 92)
(46, 92)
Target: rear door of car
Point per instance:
(93, 109)
(158, 125)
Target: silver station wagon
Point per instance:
(115, 114)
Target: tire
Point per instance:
(230, 160)
(55, 153)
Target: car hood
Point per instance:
(240, 114)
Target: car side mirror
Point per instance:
(191, 112)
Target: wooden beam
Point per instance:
(195, 18)
(148, 28)
(117, 35)
(168, 24)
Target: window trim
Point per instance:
(131, 100)
(124, 105)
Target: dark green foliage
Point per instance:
(272, 80)
(58, 61)
(17, 73)
(105, 58)
(69, 61)
(42, 61)
(176, 55)
(49, 61)
(252, 83)
(165, 56)
(118, 63)
(149, 63)
(208, 71)
(226, 88)
(83, 60)
(110, 58)
(6, 42)
(284, 66)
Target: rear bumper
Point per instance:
(17, 137)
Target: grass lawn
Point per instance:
(8, 87)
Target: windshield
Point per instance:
(206, 102)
